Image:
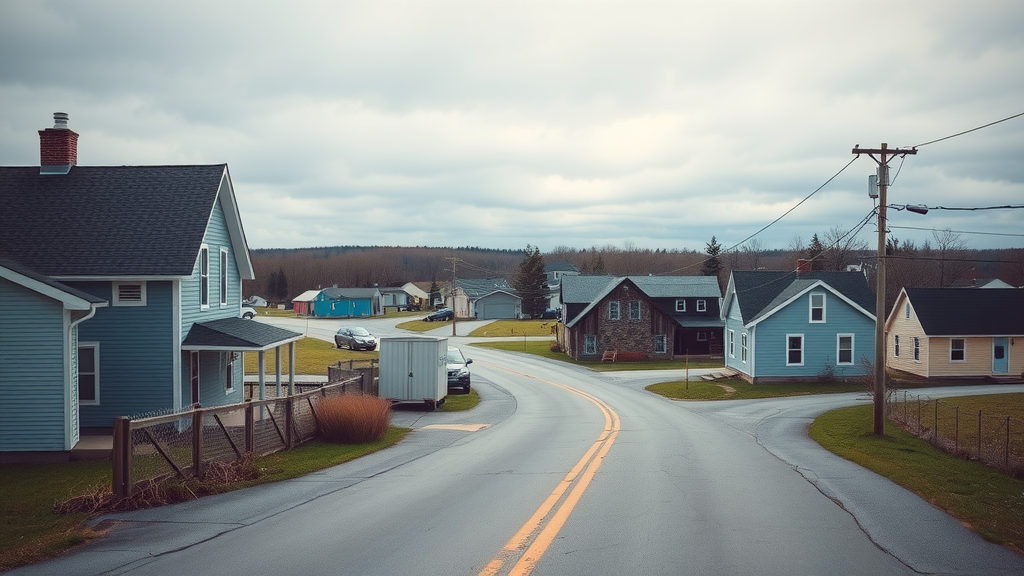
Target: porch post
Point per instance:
(291, 368)
(277, 359)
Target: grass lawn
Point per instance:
(422, 325)
(31, 531)
(312, 356)
(506, 328)
(984, 499)
(737, 389)
(460, 402)
(542, 348)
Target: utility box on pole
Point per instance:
(413, 369)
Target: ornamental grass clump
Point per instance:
(353, 418)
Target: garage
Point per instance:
(498, 306)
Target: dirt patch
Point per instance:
(728, 389)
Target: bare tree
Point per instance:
(753, 252)
(953, 256)
(842, 247)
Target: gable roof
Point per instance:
(595, 288)
(306, 296)
(968, 311)
(115, 221)
(476, 288)
(71, 298)
(559, 266)
(349, 293)
(761, 293)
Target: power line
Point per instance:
(972, 209)
(957, 231)
(971, 130)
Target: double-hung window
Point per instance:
(613, 310)
(204, 276)
(743, 347)
(817, 307)
(88, 373)
(957, 350)
(732, 343)
(223, 277)
(917, 349)
(660, 344)
(844, 349)
(680, 305)
(794, 349)
(702, 305)
(634, 309)
(896, 345)
(590, 344)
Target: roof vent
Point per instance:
(60, 120)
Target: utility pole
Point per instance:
(455, 291)
(885, 154)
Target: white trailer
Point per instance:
(413, 369)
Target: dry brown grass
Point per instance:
(353, 418)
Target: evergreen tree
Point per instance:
(816, 252)
(272, 287)
(434, 293)
(530, 282)
(712, 265)
(282, 286)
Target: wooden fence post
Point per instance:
(979, 435)
(122, 458)
(250, 429)
(289, 421)
(197, 443)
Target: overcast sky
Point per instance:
(502, 124)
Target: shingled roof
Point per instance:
(110, 221)
(236, 334)
(761, 292)
(969, 311)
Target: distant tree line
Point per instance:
(282, 274)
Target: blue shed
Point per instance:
(347, 302)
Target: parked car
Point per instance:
(248, 313)
(354, 338)
(442, 314)
(458, 370)
(552, 314)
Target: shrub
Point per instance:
(353, 418)
(554, 347)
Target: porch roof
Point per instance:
(237, 335)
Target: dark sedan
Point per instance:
(442, 314)
(354, 338)
(458, 370)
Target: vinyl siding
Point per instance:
(907, 329)
(819, 345)
(32, 370)
(734, 323)
(136, 360)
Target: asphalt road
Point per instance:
(637, 485)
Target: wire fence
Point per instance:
(184, 443)
(996, 440)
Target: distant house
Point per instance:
(396, 297)
(554, 271)
(956, 332)
(302, 304)
(485, 299)
(135, 276)
(347, 302)
(655, 316)
(797, 325)
(979, 283)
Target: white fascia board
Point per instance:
(70, 301)
(226, 196)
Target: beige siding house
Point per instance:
(957, 333)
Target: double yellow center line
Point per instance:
(522, 552)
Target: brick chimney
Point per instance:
(58, 147)
(802, 266)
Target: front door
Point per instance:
(1000, 356)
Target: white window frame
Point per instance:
(801, 349)
(660, 344)
(963, 349)
(590, 344)
(681, 305)
(117, 300)
(223, 273)
(228, 361)
(614, 310)
(95, 346)
(732, 343)
(743, 347)
(839, 349)
(917, 349)
(896, 346)
(702, 305)
(702, 336)
(204, 277)
(635, 304)
(812, 308)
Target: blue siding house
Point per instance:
(798, 325)
(138, 272)
(347, 302)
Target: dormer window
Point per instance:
(129, 294)
(817, 307)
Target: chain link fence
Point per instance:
(993, 439)
(182, 444)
